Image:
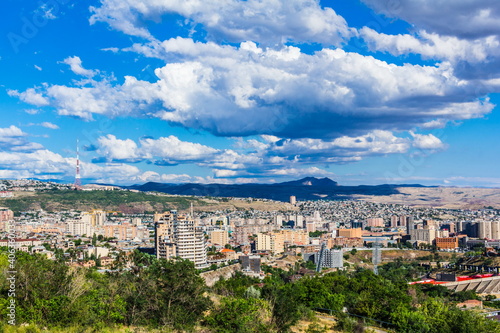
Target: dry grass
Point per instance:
(440, 197)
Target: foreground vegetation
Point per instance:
(170, 296)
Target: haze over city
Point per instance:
(362, 92)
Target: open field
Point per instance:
(440, 197)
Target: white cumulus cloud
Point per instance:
(246, 90)
(75, 64)
(427, 141)
(461, 18)
(269, 22)
(12, 138)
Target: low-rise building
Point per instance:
(471, 304)
(106, 261)
(229, 254)
(21, 244)
(350, 233)
(446, 242)
(250, 263)
(427, 235)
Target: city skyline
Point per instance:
(362, 92)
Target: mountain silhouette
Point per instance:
(308, 188)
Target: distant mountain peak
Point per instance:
(312, 181)
(308, 188)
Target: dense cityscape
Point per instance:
(250, 166)
(301, 240)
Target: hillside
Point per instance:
(124, 201)
(127, 202)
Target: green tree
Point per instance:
(235, 286)
(180, 290)
(240, 315)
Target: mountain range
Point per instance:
(309, 188)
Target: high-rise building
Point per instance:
(95, 217)
(330, 259)
(403, 220)
(79, 227)
(293, 200)
(299, 221)
(375, 222)
(6, 215)
(485, 229)
(431, 224)
(399, 221)
(179, 236)
(495, 229)
(394, 221)
(311, 226)
(409, 225)
(278, 220)
(470, 228)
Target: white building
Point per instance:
(178, 236)
(79, 228)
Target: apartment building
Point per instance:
(79, 228)
(124, 231)
(295, 237)
(6, 215)
(272, 241)
(219, 237)
(179, 236)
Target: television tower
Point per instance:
(78, 181)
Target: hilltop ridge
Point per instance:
(308, 188)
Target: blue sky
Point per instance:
(363, 92)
